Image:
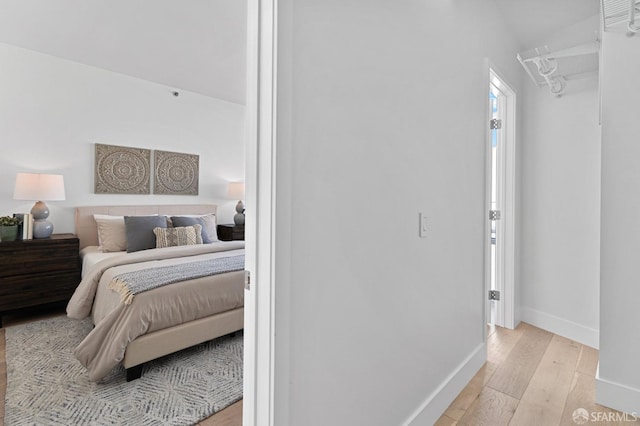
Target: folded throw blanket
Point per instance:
(132, 283)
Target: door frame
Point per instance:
(260, 225)
(506, 309)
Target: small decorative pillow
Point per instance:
(180, 236)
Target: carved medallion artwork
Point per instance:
(122, 170)
(176, 173)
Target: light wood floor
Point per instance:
(532, 377)
(230, 416)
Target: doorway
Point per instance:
(500, 170)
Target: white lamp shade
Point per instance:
(39, 187)
(235, 191)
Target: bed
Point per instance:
(161, 320)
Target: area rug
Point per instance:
(46, 385)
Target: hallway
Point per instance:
(532, 377)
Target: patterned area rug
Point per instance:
(46, 385)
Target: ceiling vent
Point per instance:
(621, 15)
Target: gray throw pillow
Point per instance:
(139, 230)
(179, 221)
(208, 222)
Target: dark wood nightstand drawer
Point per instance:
(37, 289)
(230, 232)
(24, 257)
(37, 272)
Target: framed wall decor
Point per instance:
(122, 170)
(176, 173)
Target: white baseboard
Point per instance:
(435, 404)
(560, 326)
(619, 397)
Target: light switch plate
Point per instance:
(423, 225)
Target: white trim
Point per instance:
(560, 326)
(487, 200)
(259, 359)
(501, 197)
(510, 205)
(619, 397)
(501, 176)
(506, 309)
(438, 401)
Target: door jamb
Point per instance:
(259, 335)
(509, 201)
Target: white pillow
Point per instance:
(111, 232)
(210, 224)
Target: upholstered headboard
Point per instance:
(87, 231)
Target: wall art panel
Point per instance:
(122, 170)
(176, 173)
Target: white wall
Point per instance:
(560, 210)
(53, 111)
(382, 114)
(618, 381)
(560, 200)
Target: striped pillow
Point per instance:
(181, 236)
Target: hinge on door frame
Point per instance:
(495, 123)
(494, 295)
(247, 280)
(494, 214)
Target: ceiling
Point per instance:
(194, 45)
(533, 22)
(200, 45)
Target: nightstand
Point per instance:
(230, 232)
(39, 271)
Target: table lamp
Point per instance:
(41, 187)
(236, 192)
